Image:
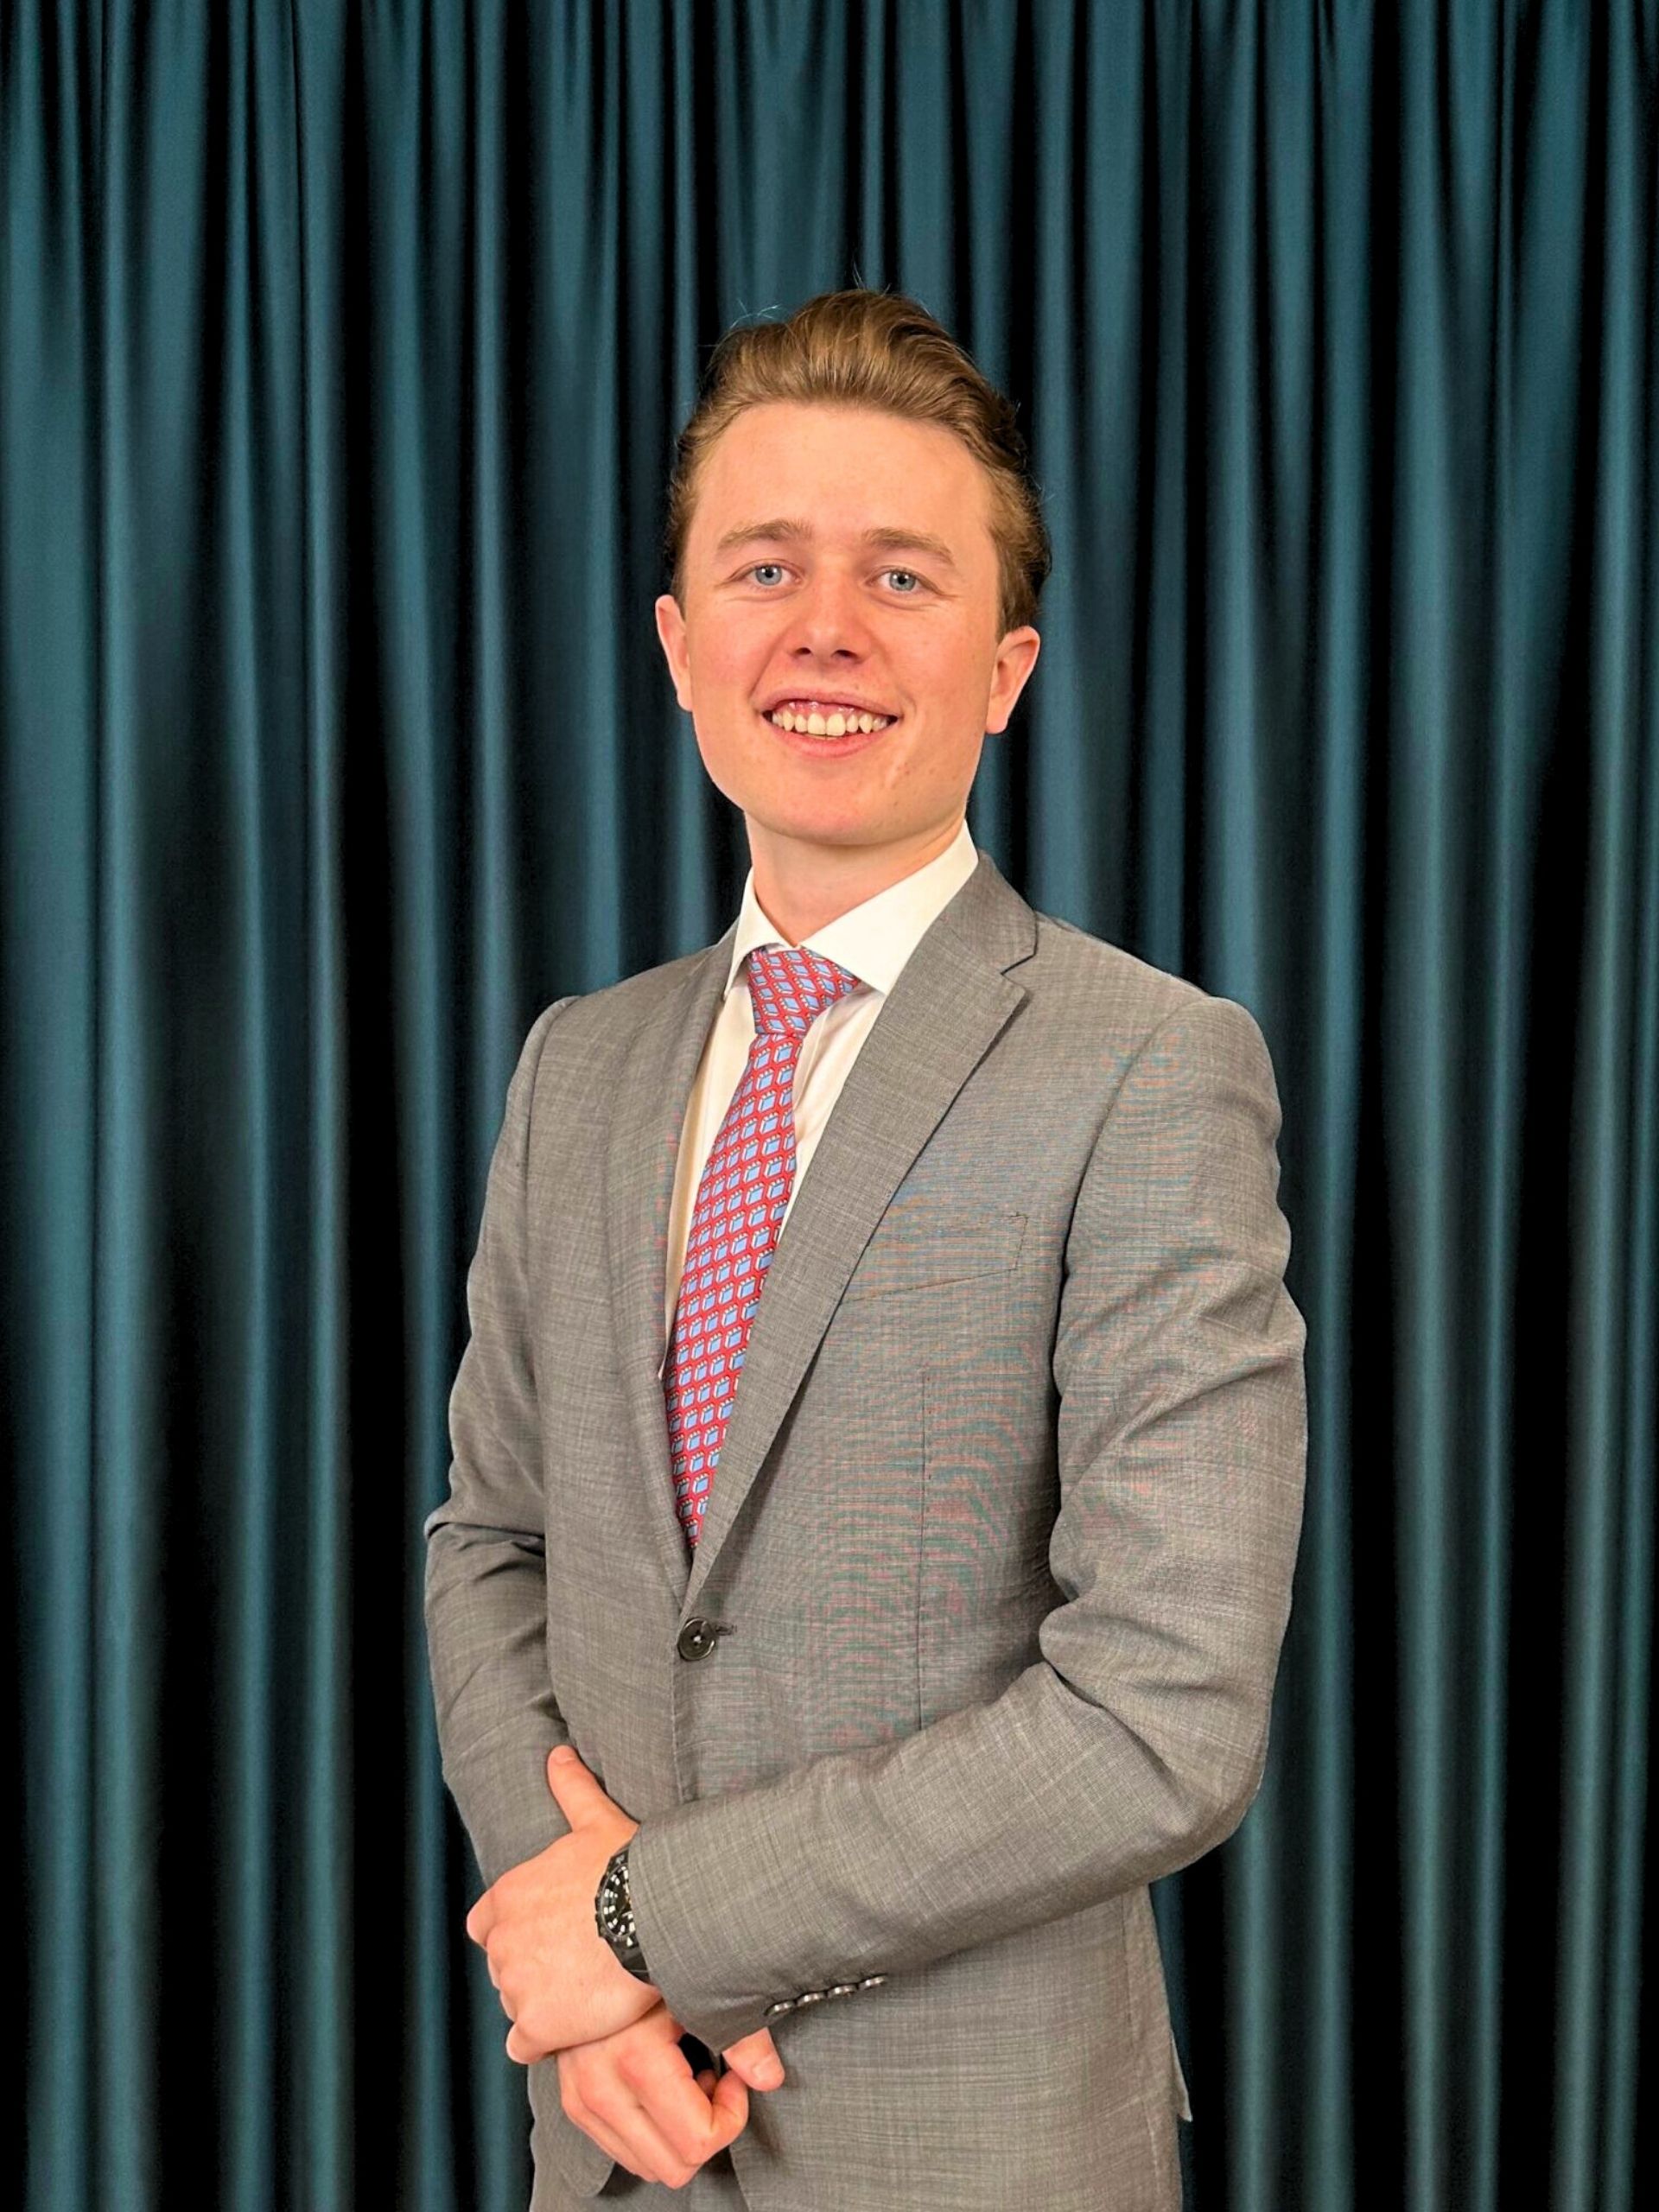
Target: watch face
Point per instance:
(612, 1892)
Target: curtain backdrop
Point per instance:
(343, 349)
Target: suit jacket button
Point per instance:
(777, 2012)
(697, 1639)
(842, 1989)
(872, 1981)
(810, 1996)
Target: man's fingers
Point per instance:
(575, 1792)
(672, 2159)
(694, 2123)
(755, 2057)
(523, 2049)
(650, 2123)
(611, 2143)
(732, 2097)
(637, 2091)
(584, 2081)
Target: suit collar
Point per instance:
(951, 1000)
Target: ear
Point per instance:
(670, 629)
(1015, 659)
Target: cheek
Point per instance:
(730, 652)
(944, 748)
(737, 758)
(721, 754)
(954, 682)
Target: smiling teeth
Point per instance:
(810, 719)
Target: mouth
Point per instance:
(830, 728)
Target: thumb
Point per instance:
(755, 2060)
(574, 1789)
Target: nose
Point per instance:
(828, 620)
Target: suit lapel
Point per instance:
(949, 1004)
(640, 1160)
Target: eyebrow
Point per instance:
(887, 540)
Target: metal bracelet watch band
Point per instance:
(614, 1915)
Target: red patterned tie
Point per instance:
(740, 1204)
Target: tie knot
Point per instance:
(789, 987)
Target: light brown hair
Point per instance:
(864, 348)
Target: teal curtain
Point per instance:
(342, 348)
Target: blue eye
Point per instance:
(756, 567)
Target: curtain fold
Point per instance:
(342, 352)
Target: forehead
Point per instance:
(854, 469)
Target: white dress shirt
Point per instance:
(872, 941)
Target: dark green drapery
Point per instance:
(342, 352)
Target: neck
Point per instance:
(802, 888)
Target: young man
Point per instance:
(911, 1582)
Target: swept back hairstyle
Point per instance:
(864, 348)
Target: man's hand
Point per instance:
(633, 2092)
(559, 1981)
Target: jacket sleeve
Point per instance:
(486, 1594)
(1136, 1741)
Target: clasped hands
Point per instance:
(623, 2078)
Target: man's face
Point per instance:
(838, 555)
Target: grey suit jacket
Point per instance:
(981, 1635)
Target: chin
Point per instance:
(808, 832)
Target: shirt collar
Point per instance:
(874, 939)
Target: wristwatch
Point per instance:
(614, 1915)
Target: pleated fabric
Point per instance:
(342, 352)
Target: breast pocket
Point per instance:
(919, 1246)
